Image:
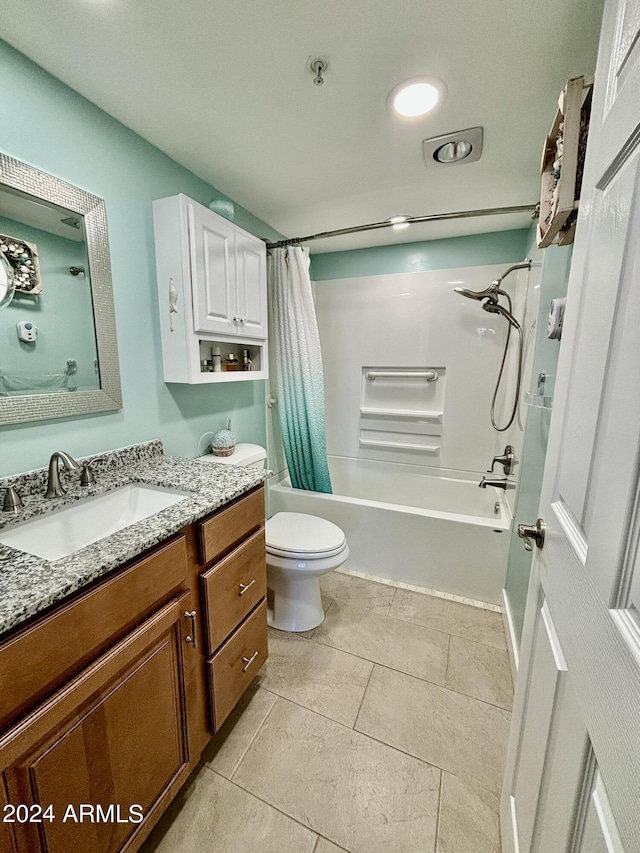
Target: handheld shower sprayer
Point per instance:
(494, 308)
(491, 295)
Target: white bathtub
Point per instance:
(423, 529)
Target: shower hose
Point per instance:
(516, 396)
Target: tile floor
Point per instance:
(384, 729)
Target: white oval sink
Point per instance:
(60, 533)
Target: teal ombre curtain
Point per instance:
(298, 377)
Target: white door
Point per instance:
(572, 780)
(251, 286)
(213, 274)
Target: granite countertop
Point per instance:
(30, 584)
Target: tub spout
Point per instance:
(498, 482)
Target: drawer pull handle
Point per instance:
(191, 614)
(248, 661)
(245, 586)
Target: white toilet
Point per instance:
(300, 549)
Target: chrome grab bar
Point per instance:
(429, 375)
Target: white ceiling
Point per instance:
(224, 88)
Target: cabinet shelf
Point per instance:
(563, 164)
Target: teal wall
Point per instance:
(556, 263)
(473, 250)
(51, 127)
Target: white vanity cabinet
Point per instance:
(212, 292)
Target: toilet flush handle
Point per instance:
(245, 586)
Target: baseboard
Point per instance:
(512, 642)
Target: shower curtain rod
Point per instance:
(435, 217)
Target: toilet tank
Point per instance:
(251, 455)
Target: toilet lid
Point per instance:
(299, 533)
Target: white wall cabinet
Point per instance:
(212, 292)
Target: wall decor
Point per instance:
(23, 258)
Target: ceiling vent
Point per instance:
(451, 149)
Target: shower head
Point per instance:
(489, 293)
(494, 308)
(492, 292)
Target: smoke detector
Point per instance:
(461, 146)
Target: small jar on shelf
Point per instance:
(231, 362)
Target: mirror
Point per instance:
(58, 350)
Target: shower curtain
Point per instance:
(298, 368)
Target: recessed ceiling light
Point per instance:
(451, 152)
(416, 97)
(399, 222)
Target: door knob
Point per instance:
(533, 532)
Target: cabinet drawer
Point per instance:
(228, 527)
(45, 655)
(233, 668)
(233, 587)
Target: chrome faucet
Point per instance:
(498, 482)
(54, 486)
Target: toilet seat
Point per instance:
(297, 535)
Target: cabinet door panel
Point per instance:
(212, 242)
(6, 834)
(116, 737)
(251, 285)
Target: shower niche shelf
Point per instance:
(538, 401)
(401, 408)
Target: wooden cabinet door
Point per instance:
(213, 274)
(251, 286)
(108, 748)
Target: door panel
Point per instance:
(546, 673)
(611, 212)
(599, 833)
(590, 496)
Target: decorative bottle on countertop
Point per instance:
(216, 358)
(231, 362)
(246, 361)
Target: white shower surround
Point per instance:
(405, 525)
(412, 517)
